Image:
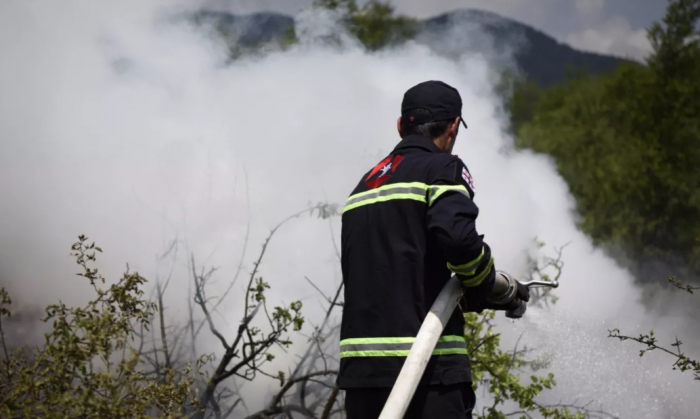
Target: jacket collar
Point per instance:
(418, 141)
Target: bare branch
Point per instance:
(190, 322)
(161, 316)
(682, 362)
(244, 346)
(201, 300)
(233, 406)
(329, 404)
(678, 284)
(274, 404)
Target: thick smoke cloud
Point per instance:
(120, 125)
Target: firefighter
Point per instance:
(408, 226)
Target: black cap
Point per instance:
(441, 101)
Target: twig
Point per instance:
(200, 299)
(256, 347)
(190, 310)
(273, 406)
(317, 289)
(233, 406)
(678, 284)
(161, 315)
(7, 355)
(240, 264)
(330, 402)
(683, 362)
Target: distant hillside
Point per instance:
(540, 57)
(247, 30)
(509, 43)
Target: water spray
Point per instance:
(431, 329)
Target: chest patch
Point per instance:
(382, 171)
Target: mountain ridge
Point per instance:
(528, 51)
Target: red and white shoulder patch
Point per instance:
(468, 178)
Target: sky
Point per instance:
(607, 26)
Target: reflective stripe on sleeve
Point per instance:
(468, 268)
(370, 347)
(478, 279)
(435, 191)
(413, 190)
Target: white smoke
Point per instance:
(119, 125)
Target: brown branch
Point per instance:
(683, 362)
(7, 355)
(580, 408)
(243, 252)
(201, 301)
(278, 410)
(161, 315)
(515, 353)
(273, 407)
(331, 401)
(333, 304)
(317, 289)
(251, 350)
(190, 310)
(156, 363)
(230, 409)
(678, 284)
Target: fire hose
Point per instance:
(430, 331)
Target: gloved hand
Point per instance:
(523, 292)
(519, 303)
(512, 298)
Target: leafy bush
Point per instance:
(87, 366)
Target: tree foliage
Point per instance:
(628, 145)
(88, 366)
(376, 23)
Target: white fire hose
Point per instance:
(428, 335)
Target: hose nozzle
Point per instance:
(540, 283)
(505, 289)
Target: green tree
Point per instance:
(376, 23)
(628, 144)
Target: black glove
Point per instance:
(514, 308)
(523, 292)
(517, 307)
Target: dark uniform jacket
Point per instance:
(406, 228)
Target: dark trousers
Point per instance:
(455, 401)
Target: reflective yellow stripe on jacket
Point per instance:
(415, 191)
(398, 346)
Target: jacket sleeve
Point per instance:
(451, 220)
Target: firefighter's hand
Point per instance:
(523, 292)
(470, 305)
(514, 308)
(519, 304)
